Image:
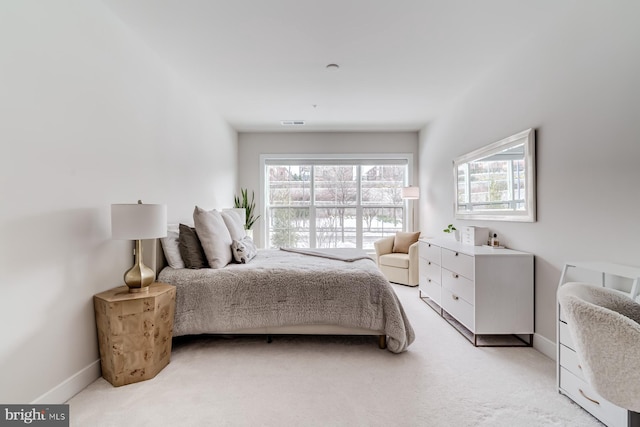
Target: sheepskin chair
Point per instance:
(605, 327)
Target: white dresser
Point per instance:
(480, 290)
(571, 381)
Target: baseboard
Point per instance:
(71, 386)
(545, 346)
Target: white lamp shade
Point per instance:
(410, 193)
(138, 221)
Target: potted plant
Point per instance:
(452, 231)
(249, 207)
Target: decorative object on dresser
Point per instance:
(397, 257)
(474, 236)
(606, 295)
(454, 232)
(138, 222)
(497, 182)
(134, 332)
(486, 294)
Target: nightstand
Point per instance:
(134, 332)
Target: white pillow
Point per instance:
(244, 250)
(170, 247)
(214, 237)
(234, 223)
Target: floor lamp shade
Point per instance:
(411, 193)
(138, 222)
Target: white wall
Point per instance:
(89, 116)
(252, 145)
(578, 86)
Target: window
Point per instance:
(333, 203)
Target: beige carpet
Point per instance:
(442, 380)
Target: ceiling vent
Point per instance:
(292, 122)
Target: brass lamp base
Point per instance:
(139, 277)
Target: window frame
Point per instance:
(335, 159)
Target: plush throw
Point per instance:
(190, 248)
(244, 250)
(402, 241)
(279, 288)
(234, 224)
(214, 236)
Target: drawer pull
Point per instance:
(457, 254)
(428, 262)
(580, 367)
(587, 397)
(455, 276)
(455, 297)
(429, 280)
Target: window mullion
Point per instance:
(359, 230)
(312, 209)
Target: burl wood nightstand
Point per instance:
(134, 332)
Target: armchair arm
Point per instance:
(384, 246)
(413, 264)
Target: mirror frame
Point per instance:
(526, 137)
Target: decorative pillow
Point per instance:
(214, 237)
(244, 250)
(402, 241)
(171, 248)
(234, 224)
(190, 248)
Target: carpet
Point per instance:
(442, 380)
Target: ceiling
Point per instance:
(401, 62)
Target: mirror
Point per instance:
(497, 182)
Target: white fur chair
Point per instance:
(398, 267)
(605, 327)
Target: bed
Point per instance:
(281, 292)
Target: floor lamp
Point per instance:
(411, 193)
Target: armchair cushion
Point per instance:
(395, 260)
(402, 241)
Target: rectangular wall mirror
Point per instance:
(497, 182)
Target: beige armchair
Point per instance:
(398, 266)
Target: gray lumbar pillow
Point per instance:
(244, 250)
(214, 237)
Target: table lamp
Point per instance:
(138, 222)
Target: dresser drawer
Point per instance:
(430, 270)
(565, 336)
(458, 308)
(430, 289)
(429, 252)
(583, 395)
(458, 263)
(569, 360)
(458, 285)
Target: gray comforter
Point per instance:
(279, 288)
